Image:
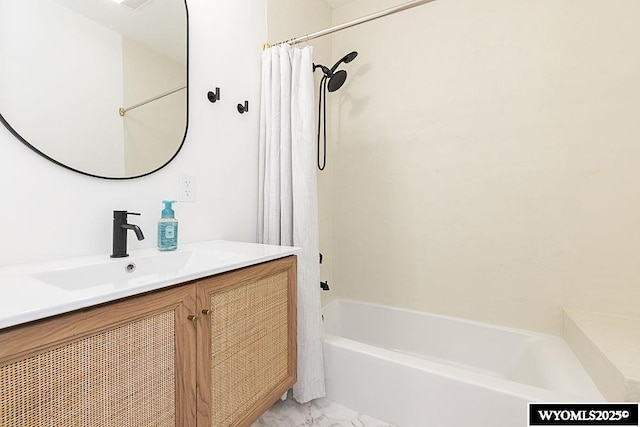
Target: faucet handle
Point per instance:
(120, 217)
(124, 213)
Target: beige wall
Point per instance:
(485, 159)
(153, 132)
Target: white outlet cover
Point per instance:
(187, 188)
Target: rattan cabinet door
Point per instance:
(246, 342)
(124, 364)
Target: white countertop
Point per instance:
(24, 297)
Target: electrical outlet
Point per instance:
(187, 188)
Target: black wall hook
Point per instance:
(243, 108)
(214, 96)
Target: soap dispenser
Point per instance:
(168, 228)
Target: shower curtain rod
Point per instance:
(386, 12)
(123, 110)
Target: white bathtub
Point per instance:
(416, 369)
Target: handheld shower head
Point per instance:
(346, 59)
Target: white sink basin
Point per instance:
(118, 272)
(35, 291)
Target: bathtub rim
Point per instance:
(336, 299)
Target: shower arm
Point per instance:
(327, 72)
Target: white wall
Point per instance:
(485, 159)
(76, 111)
(49, 212)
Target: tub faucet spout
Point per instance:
(120, 227)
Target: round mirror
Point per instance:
(96, 86)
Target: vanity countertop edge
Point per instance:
(24, 298)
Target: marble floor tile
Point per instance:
(317, 413)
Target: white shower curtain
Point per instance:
(288, 201)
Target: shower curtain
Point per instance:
(288, 202)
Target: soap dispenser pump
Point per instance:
(168, 228)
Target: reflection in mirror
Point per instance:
(68, 66)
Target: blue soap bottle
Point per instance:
(168, 228)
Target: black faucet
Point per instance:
(120, 227)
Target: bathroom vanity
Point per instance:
(211, 343)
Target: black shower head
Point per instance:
(346, 59)
(331, 81)
(336, 80)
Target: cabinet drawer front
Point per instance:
(249, 341)
(121, 377)
(248, 345)
(116, 365)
